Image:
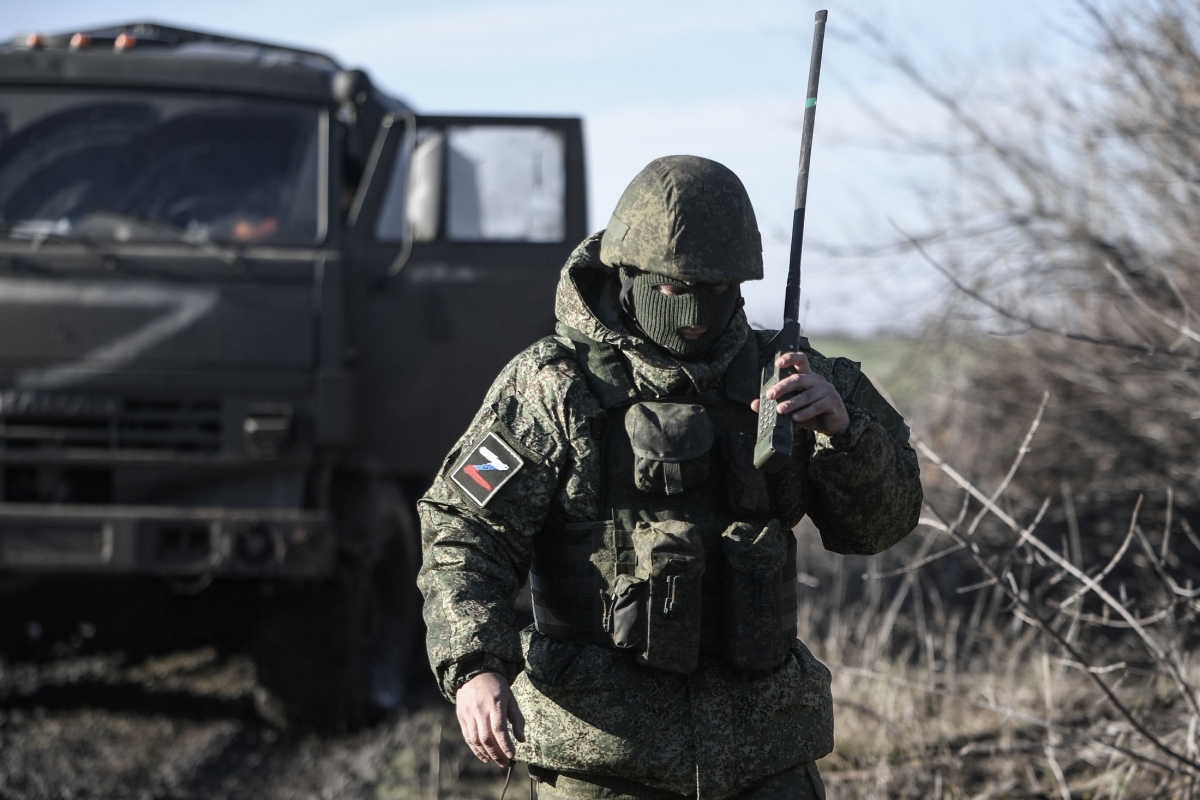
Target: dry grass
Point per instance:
(1033, 727)
(977, 661)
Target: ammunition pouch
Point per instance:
(757, 592)
(656, 610)
(671, 444)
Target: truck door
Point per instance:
(458, 237)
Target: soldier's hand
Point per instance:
(485, 705)
(808, 397)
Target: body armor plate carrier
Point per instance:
(686, 558)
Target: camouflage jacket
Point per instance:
(592, 709)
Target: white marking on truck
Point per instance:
(183, 307)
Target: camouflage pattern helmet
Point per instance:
(688, 218)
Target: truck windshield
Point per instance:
(141, 166)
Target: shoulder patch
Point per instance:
(490, 464)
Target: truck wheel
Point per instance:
(335, 655)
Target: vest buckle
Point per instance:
(673, 604)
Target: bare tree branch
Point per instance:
(1028, 321)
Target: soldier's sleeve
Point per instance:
(862, 487)
(478, 522)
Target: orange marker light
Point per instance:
(124, 42)
(34, 40)
(80, 41)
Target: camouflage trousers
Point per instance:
(801, 782)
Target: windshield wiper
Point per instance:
(40, 234)
(227, 255)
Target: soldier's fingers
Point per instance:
(493, 738)
(797, 361)
(499, 735)
(802, 400)
(814, 410)
(800, 378)
(754, 406)
(795, 383)
(470, 734)
(517, 719)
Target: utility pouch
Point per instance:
(671, 443)
(627, 613)
(756, 639)
(656, 610)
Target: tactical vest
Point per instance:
(686, 558)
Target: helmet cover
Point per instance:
(687, 218)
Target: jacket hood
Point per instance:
(587, 303)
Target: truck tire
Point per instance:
(334, 655)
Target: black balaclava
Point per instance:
(660, 316)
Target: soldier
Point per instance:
(612, 465)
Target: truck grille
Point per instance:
(45, 423)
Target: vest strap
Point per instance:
(603, 367)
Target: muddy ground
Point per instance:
(185, 725)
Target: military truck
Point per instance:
(247, 302)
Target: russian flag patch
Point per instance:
(489, 465)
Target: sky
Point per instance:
(721, 79)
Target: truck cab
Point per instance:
(247, 303)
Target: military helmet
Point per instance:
(688, 218)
